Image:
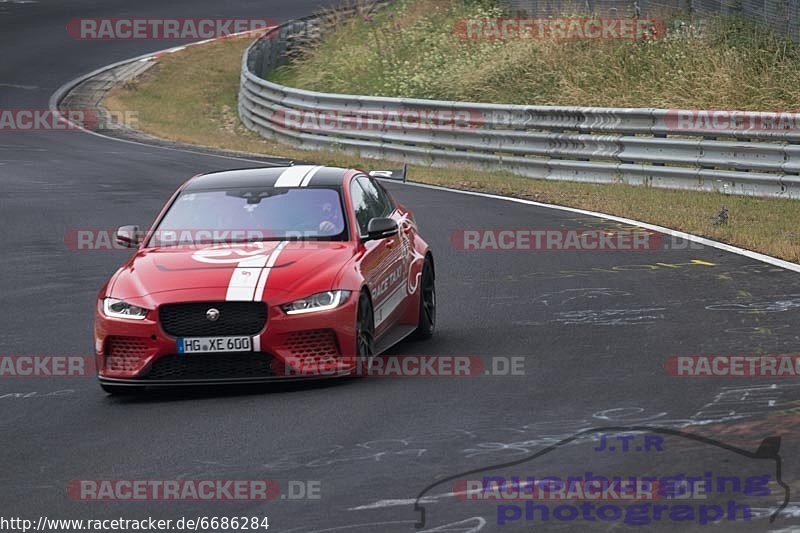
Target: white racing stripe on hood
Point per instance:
(246, 277)
(250, 277)
(262, 280)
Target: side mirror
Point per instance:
(380, 227)
(128, 236)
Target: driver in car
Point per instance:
(331, 220)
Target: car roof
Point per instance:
(293, 176)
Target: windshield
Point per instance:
(245, 215)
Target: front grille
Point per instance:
(235, 318)
(123, 354)
(211, 366)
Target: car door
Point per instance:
(404, 221)
(383, 263)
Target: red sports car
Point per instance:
(265, 273)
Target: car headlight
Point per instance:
(119, 309)
(322, 301)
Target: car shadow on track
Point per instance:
(182, 393)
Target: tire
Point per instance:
(365, 328)
(427, 302)
(121, 390)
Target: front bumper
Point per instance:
(289, 347)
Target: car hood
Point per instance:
(230, 272)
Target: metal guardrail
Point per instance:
(588, 144)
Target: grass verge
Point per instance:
(190, 96)
(411, 50)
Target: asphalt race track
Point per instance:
(594, 330)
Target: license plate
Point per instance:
(214, 344)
